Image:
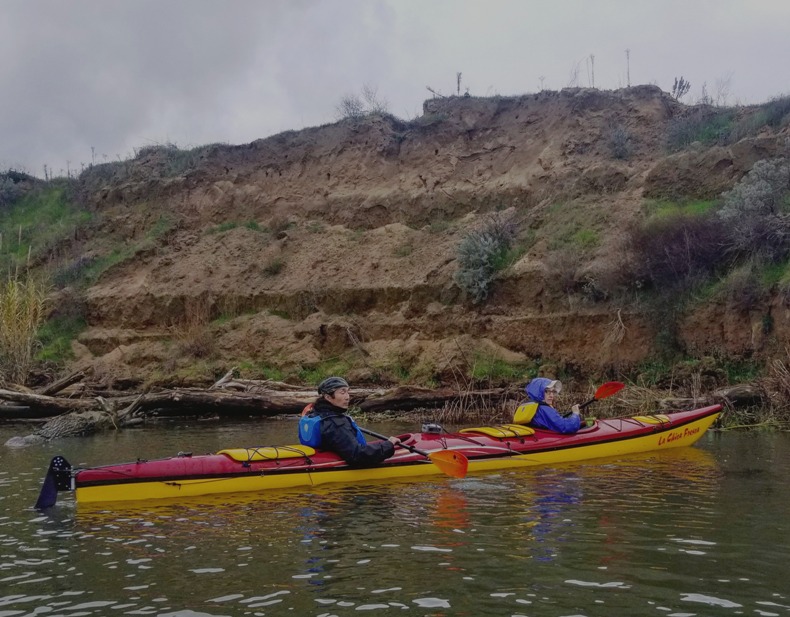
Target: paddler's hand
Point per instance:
(576, 410)
(394, 441)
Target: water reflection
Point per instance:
(674, 532)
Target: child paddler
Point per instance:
(543, 392)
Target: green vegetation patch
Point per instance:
(36, 223)
(56, 336)
(661, 209)
(493, 369)
(703, 124)
(313, 375)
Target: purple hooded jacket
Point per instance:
(547, 417)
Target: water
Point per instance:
(696, 531)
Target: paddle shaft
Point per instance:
(384, 437)
(604, 391)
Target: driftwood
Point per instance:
(741, 395)
(44, 405)
(235, 397)
(227, 397)
(62, 384)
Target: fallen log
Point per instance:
(62, 384)
(83, 416)
(46, 404)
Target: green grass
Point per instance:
(84, 273)
(702, 125)
(228, 225)
(222, 227)
(36, 223)
(56, 336)
(586, 239)
(404, 250)
(661, 209)
(252, 369)
(571, 225)
(438, 226)
(741, 371)
(313, 375)
(488, 368)
(772, 274)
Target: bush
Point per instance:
(743, 289)
(482, 253)
(757, 212)
(678, 251)
(354, 106)
(10, 190)
(618, 141)
(774, 113)
(704, 124)
(22, 307)
(274, 267)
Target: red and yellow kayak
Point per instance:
(263, 468)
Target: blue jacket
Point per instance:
(547, 417)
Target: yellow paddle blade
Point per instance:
(454, 464)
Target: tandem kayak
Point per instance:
(486, 448)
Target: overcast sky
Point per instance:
(116, 75)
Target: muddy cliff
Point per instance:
(336, 247)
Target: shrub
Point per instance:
(482, 253)
(774, 113)
(704, 124)
(354, 106)
(618, 140)
(676, 252)
(757, 212)
(193, 332)
(743, 289)
(274, 267)
(22, 305)
(10, 190)
(73, 271)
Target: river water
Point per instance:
(695, 531)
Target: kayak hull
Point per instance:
(269, 468)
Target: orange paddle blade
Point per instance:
(454, 464)
(608, 388)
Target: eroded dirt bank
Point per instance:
(335, 247)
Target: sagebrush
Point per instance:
(482, 253)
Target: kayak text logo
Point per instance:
(675, 435)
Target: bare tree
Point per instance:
(680, 88)
(373, 104)
(350, 106)
(573, 81)
(723, 89)
(628, 67)
(355, 106)
(705, 98)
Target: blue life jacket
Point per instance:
(310, 430)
